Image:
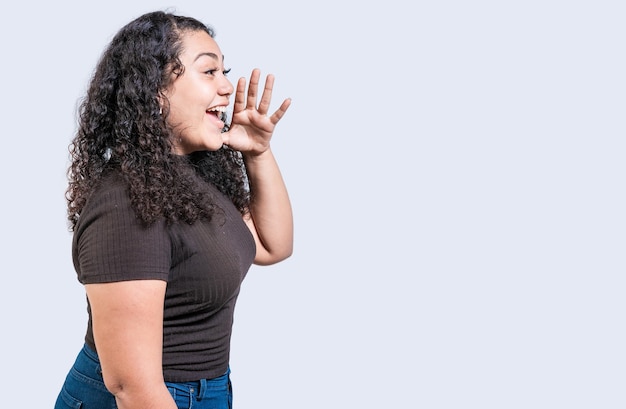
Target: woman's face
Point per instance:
(198, 97)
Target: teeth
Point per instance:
(218, 109)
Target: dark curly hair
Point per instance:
(122, 128)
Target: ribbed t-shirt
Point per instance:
(203, 264)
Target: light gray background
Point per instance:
(457, 176)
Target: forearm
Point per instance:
(270, 209)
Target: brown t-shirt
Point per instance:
(203, 264)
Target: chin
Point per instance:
(213, 146)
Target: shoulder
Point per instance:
(111, 191)
(112, 244)
(108, 209)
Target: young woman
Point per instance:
(169, 206)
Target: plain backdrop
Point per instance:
(457, 176)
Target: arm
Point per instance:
(128, 331)
(270, 218)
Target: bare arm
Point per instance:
(270, 219)
(128, 331)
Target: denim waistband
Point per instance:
(204, 387)
(88, 363)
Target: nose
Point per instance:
(226, 87)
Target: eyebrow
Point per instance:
(208, 54)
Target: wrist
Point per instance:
(252, 157)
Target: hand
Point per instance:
(251, 129)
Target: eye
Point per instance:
(215, 70)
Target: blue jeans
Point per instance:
(84, 388)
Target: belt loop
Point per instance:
(202, 389)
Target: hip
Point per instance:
(84, 388)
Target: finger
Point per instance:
(240, 96)
(276, 116)
(266, 98)
(253, 88)
(225, 138)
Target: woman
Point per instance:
(169, 207)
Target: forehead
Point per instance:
(199, 44)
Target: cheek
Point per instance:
(180, 106)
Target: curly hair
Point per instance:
(122, 127)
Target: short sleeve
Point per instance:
(111, 244)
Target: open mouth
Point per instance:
(217, 111)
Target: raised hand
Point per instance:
(251, 128)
